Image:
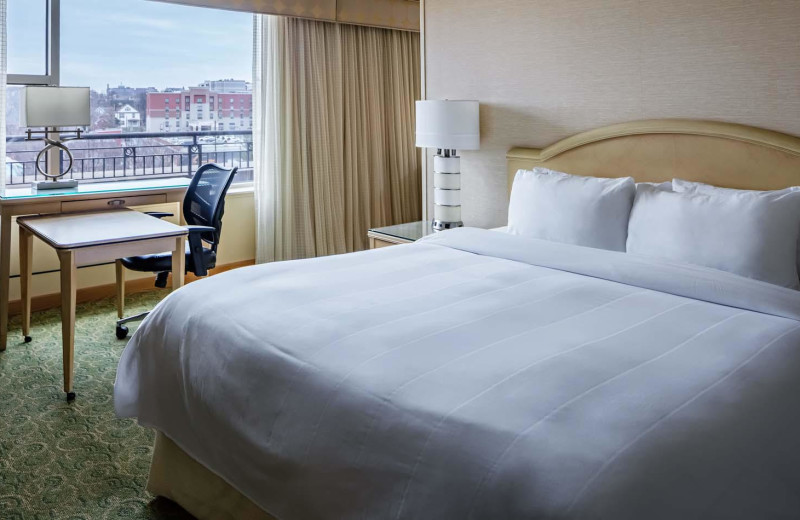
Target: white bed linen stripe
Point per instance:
(673, 412)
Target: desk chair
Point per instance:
(203, 206)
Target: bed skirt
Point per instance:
(177, 476)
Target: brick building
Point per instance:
(199, 109)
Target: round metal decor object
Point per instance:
(53, 144)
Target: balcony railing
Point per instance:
(100, 157)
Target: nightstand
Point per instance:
(399, 234)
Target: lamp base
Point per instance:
(441, 225)
(55, 185)
(446, 190)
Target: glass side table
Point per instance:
(399, 234)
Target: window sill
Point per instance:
(241, 189)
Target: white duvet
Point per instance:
(477, 374)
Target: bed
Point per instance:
(476, 374)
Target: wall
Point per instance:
(545, 70)
(237, 245)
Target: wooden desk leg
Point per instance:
(25, 275)
(5, 273)
(120, 290)
(69, 274)
(178, 262)
(176, 198)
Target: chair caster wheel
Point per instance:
(28, 339)
(122, 331)
(70, 396)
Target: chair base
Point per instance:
(122, 330)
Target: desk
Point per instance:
(18, 201)
(91, 238)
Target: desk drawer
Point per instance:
(111, 203)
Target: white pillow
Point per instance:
(586, 211)
(709, 189)
(664, 186)
(752, 234)
(698, 187)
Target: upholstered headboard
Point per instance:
(723, 154)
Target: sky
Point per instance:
(136, 43)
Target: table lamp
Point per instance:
(447, 126)
(50, 108)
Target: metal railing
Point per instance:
(101, 157)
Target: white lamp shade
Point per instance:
(450, 125)
(55, 106)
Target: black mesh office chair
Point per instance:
(203, 206)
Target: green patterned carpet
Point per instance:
(77, 460)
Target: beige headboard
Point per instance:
(724, 154)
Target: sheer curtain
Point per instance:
(333, 135)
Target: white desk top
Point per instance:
(76, 230)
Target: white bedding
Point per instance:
(478, 374)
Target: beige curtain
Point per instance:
(334, 134)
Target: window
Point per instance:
(80, 42)
(28, 51)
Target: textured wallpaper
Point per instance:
(395, 14)
(544, 70)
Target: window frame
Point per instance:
(52, 76)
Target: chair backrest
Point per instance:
(204, 202)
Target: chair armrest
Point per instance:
(196, 247)
(200, 229)
(158, 214)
